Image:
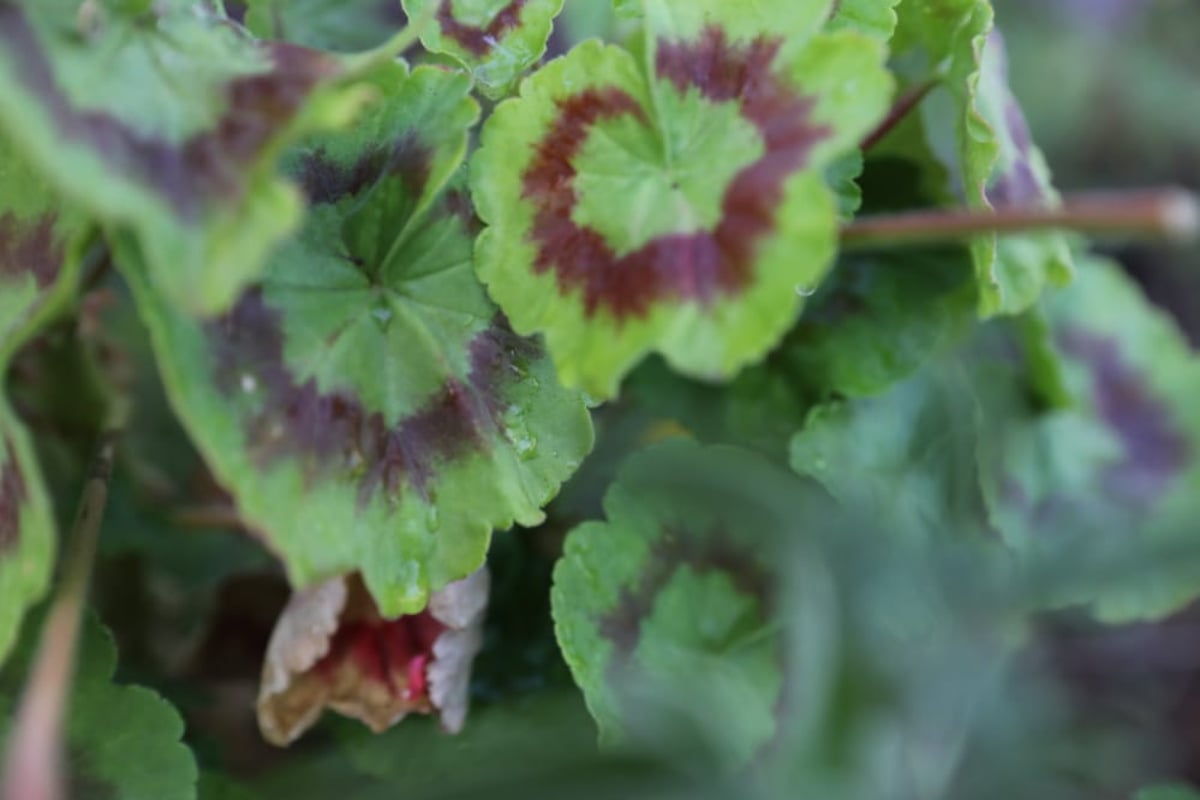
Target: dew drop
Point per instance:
(382, 315)
(432, 522)
(249, 383)
(805, 291)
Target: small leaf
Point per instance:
(990, 157)
(366, 405)
(674, 204)
(332, 649)
(673, 595)
(345, 26)
(497, 40)
(104, 116)
(121, 741)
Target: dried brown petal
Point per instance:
(332, 649)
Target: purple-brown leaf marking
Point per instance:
(477, 40)
(1018, 185)
(1155, 452)
(12, 496)
(326, 181)
(190, 175)
(695, 266)
(29, 247)
(333, 431)
(677, 549)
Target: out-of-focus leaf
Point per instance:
(168, 129)
(675, 203)
(121, 741)
(874, 17)
(990, 156)
(40, 244)
(337, 25)
(497, 40)
(1168, 792)
(1125, 461)
(674, 596)
(366, 405)
(906, 458)
(27, 529)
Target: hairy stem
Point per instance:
(1158, 214)
(33, 768)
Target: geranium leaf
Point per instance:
(908, 457)
(990, 157)
(1125, 459)
(366, 404)
(673, 595)
(40, 243)
(121, 741)
(344, 26)
(167, 125)
(27, 530)
(678, 204)
(497, 40)
(878, 318)
(874, 17)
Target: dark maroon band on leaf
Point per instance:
(696, 266)
(474, 39)
(189, 175)
(333, 432)
(12, 495)
(327, 181)
(1155, 453)
(28, 246)
(677, 549)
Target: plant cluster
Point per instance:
(760, 323)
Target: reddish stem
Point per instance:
(1164, 213)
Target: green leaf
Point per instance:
(345, 26)
(1125, 460)
(40, 240)
(990, 156)
(672, 596)
(367, 405)
(878, 318)
(167, 126)
(122, 741)
(673, 204)
(908, 457)
(40, 244)
(497, 40)
(1168, 792)
(874, 17)
(27, 529)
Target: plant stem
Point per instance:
(1158, 214)
(903, 107)
(33, 768)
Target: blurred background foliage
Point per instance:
(1074, 709)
